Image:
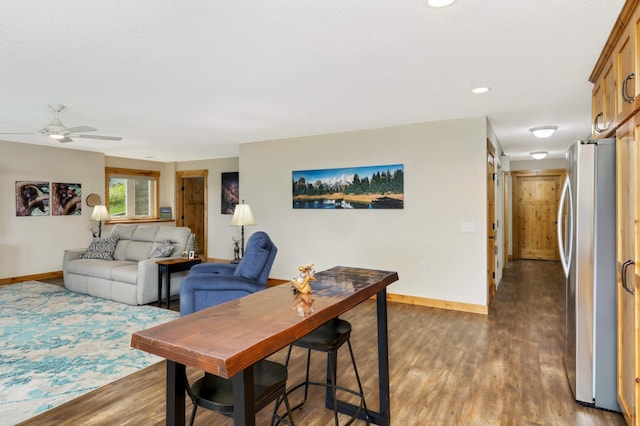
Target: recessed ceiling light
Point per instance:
(543, 132)
(539, 155)
(479, 90)
(440, 3)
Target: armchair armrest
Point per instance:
(213, 268)
(203, 291)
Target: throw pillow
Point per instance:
(101, 248)
(163, 250)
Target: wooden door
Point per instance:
(191, 205)
(628, 326)
(535, 196)
(491, 223)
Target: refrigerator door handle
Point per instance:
(566, 200)
(623, 273)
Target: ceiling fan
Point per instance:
(62, 133)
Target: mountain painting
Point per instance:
(369, 187)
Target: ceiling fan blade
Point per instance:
(104, 138)
(81, 129)
(65, 139)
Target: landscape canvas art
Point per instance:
(367, 187)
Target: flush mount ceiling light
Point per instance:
(543, 132)
(480, 90)
(539, 155)
(440, 3)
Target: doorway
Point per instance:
(191, 205)
(536, 195)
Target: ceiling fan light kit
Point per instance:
(62, 133)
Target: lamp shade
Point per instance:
(100, 213)
(242, 216)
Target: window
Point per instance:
(132, 193)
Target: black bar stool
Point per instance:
(216, 393)
(328, 338)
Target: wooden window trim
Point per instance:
(152, 174)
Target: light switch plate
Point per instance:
(467, 227)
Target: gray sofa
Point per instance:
(132, 276)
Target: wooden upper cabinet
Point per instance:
(625, 61)
(616, 90)
(604, 119)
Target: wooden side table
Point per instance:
(169, 266)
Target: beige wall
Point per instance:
(32, 245)
(445, 185)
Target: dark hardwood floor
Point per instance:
(447, 368)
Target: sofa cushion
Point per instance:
(138, 250)
(125, 273)
(145, 233)
(101, 248)
(124, 232)
(97, 267)
(178, 236)
(163, 250)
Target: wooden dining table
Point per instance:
(228, 339)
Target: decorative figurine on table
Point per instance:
(302, 282)
(236, 250)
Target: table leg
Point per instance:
(382, 417)
(161, 271)
(176, 378)
(243, 399)
(383, 359)
(167, 277)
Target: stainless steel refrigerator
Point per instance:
(587, 243)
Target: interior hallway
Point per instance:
(447, 367)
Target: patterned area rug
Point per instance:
(57, 345)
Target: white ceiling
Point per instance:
(187, 80)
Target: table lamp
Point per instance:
(242, 217)
(99, 214)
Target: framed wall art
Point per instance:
(66, 199)
(368, 187)
(230, 192)
(32, 198)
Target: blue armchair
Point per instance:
(210, 284)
